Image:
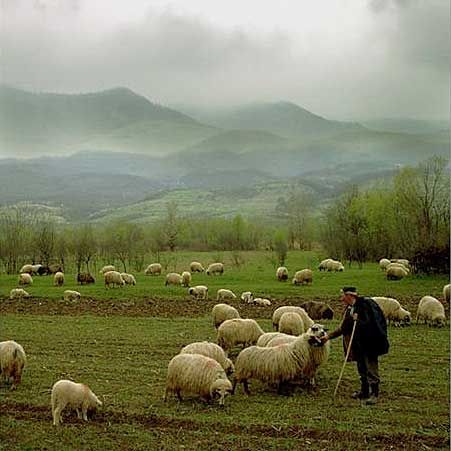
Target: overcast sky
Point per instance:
(343, 59)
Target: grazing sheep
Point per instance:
(66, 393)
(173, 279)
(281, 340)
(58, 279)
(237, 331)
(71, 295)
(291, 324)
(303, 276)
(383, 263)
(186, 278)
(283, 363)
(107, 268)
(26, 269)
(396, 273)
(198, 375)
(211, 350)
(289, 308)
(264, 339)
(431, 311)
(323, 265)
(225, 295)
(51, 269)
(282, 273)
(401, 261)
(84, 278)
(223, 312)
(113, 278)
(392, 310)
(446, 293)
(199, 292)
(318, 310)
(18, 293)
(12, 362)
(25, 279)
(154, 269)
(247, 296)
(129, 279)
(215, 268)
(398, 265)
(260, 302)
(196, 267)
(35, 269)
(334, 265)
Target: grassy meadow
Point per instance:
(119, 342)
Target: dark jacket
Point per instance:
(370, 337)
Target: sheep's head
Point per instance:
(315, 333)
(407, 318)
(230, 367)
(220, 388)
(439, 321)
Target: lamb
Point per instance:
(85, 278)
(260, 302)
(334, 265)
(237, 331)
(107, 268)
(291, 324)
(12, 362)
(383, 263)
(196, 267)
(58, 279)
(199, 292)
(129, 279)
(318, 310)
(199, 375)
(71, 295)
(66, 393)
(211, 350)
(247, 296)
(431, 311)
(223, 312)
(289, 308)
(113, 278)
(392, 310)
(396, 273)
(225, 295)
(18, 293)
(154, 269)
(283, 363)
(282, 273)
(304, 276)
(25, 279)
(323, 265)
(215, 268)
(186, 278)
(446, 293)
(26, 269)
(173, 279)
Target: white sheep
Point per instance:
(35, 269)
(225, 295)
(398, 265)
(401, 261)
(77, 396)
(260, 302)
(113, 278)
(291, 323)
(392, 310)
(58, 279)
(129, 279)
(199, 292)
(153, 269)
(215, 268)
(237, 331)
(26, 269)
(282, 273)
(107, 268)
(211, 350)
(431, 311)
(197, 375)
(71, 295)
(304, 276)
(25, 279)
(334, 265)
(446, 293)
(396, 272)
(12, 362)
(247, 296)
(196, 267)
(323, 265)
(308, 322)
(383, 263)
(186, 278)
(264, 339)
(283, 363)
(173, 278)
(281, 340)
(18, 293)
(223, 312)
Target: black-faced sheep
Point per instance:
(225, 295)
(260, 302)
(393, 311)
(113, 278)
(302, 277)
(129, 279)
(154, 269)
(282, 274)
(12, 362)
(186, 278)
(196, 267)
(173, 278)
(215, 268)
(323, 265)
(199, 292)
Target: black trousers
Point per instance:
(368, 368)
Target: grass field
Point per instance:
(120, 341)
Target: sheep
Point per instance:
(260, 302)
(289, 308)
(211, 350)
(233, 332)
(392, 310)
(77, 396)
(303, 276)
(281, 339)
(85, 278)
(35, 269)
(334, 265)
(383, 263)
(154, 269)
(71, 295)
(12, 362)
(107, 269)
(129, 279)
(196, 267)
(18, 293)
(401, 261)
(215, 268)
(264, 339)
(446, 293)
(198, 375)
(113, 278)
(247, 296)
(26, 269)
(25, 279)
(225, 295)
(318, 310)
(186, 278)
(283, 363)
(396, 273)
(398, 265)
(199, 292)
(323, 265)
(431, 310)
(58, 279)
(282, 273)
(291, 323)
(223, 312)
(173, 279)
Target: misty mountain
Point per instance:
(405, 125)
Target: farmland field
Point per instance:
(119, 342)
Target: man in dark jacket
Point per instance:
(369, 342)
